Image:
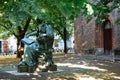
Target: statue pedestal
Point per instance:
(52, 68)
(31, 69)
(22, 68)
(48, 68)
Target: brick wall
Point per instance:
(84, 33)
(116, 28)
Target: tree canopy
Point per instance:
(102, 8)
(17, 17)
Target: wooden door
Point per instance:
(107, 35)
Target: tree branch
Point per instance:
(7, 29)
(27, 24)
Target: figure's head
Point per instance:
(39, 21)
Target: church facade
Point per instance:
(90, 35)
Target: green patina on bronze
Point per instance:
(39, 48)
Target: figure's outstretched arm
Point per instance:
(31, 34)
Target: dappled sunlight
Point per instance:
(87, 67)
(26, 55)
(83, 44)
(64, 64)
(91, 75)
(33, 78)
(37, 74)
(89, 9)
(81, 66)
(76, 68)
(85, 63)
(1, 14)
(101, 64)
(90, 78)
(116, 77)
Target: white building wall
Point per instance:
(12, 43)
(70, 43)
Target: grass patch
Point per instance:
(10, 62)
(8, 67)
(59, 53)
(7, 60)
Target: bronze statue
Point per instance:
(41, 47)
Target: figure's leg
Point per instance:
(30, 55)
(48, 59)
(30, 59)
(49, 64)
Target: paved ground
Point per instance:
(73, 67)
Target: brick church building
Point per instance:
(89, 35)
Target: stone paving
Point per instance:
(73, 67)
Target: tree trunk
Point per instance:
(21, 34)
(20, 48)
(65, 41)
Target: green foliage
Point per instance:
(17, 17)
(15, 14)
(102, 8)
(65, 8)
(60, 14)
(70, 8)
(8, 67)
(53, 15)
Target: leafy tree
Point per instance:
(16, 16)
(70, 9)
(101, 9)
(60, 11)
(60, 14)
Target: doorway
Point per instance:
(107, 37)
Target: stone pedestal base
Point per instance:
(29, 69)
(22, 68)
(52, 68)
(49, 68)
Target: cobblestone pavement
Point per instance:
(74, 67)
